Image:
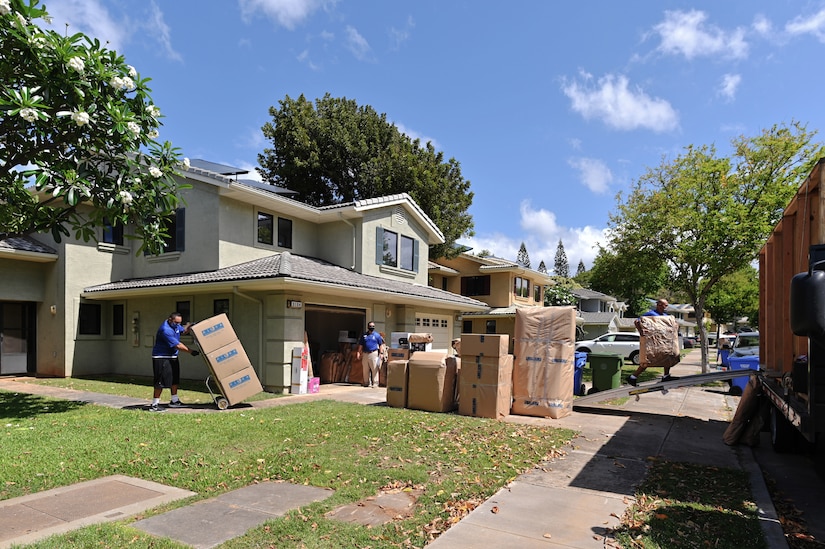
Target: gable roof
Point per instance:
(26, 248)
(585, 293)
(491, 264)
(286, 269)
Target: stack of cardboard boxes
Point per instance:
(227, 360)
(421, 380)
(485, 383)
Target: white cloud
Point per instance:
(542, 237)
(685, 33)
(399, 36)
(611, 101)
(253, 172)
(357, 44)
(91, 18)
(287, 13)
(593, 173)
(304, 57)
(814, 24)
(763, 26)
(162, 32)
(730, 83)
(412, 134)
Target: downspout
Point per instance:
(341, 215)
(260, 303)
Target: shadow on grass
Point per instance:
(24, 406)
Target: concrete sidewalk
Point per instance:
(572, 501)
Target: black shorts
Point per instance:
(166, 372)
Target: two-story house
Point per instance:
(504, 285)
(601, 313)
(279, 268)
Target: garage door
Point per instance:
(438, 325)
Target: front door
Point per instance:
(15, 336)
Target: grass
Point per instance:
(457, 462)
(690, 506)
(190, 391)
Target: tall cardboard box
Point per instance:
(544, 367)
(485, 344)
(213, 333)
(431, 382)
(397, 383)
(485, 386)
(659, 346)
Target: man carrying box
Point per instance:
(165, 365)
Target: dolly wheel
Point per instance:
(222, 403)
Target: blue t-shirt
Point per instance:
(654, 312)
(166, 340)
(371, 341)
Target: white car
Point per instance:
(745, 344)
(625, 344)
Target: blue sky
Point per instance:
(551, 108)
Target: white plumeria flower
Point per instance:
(77, 64)
(80, 118)
(28, 114)
(134, 128)
(186, 164)
(155, 172)
(38, 41)
(132, 71)
(126, 197)
(127, 83)
(5, 7)
(136, 180)
(153, 111)
(116, 82)
(153, 134)
(22, 20)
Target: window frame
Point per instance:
(521, 287)
(258, 228)
(389, 248)
(285, 226)
(87, 312)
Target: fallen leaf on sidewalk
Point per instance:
(494, 509)
(548, 536)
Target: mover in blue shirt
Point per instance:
(165, 365)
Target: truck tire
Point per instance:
(783, 434)
(634, 358)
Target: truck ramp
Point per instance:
(663, 386)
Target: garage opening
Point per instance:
(331, 329)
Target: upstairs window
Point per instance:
(175, 226)
(475, 285)
(265, 226)
(521, 287)
(112, 232)
(394, 250)
(538, 294)
(284, 233)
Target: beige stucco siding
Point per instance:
(397, 221)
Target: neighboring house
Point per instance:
(277, 267)
(601, 313)
(504, 285)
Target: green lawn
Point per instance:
(354, 449)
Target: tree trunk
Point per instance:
(699, 309)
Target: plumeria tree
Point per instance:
(79, 145)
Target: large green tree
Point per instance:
(628, 273)
(523, 258)
(735, 296)
(707, 216)
(335, 151)
(79, 125)
(561, 265)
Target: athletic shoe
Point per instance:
(632, 380)
(155, 408)
(176, 404)
(669, 378)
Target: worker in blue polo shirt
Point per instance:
(368, 352)
(165, 365)
(659, 310)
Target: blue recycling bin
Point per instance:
(578, 386)
(738, 384)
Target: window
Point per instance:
(538, 294)
(185, 310)
(220, 306)
(284, 233)
(118, 322)
(112, 233)
(475, 285)
(467, 327)
(175, 227)
(89, 322)
(265, 225)
(490, 327)
(407, 245)
(521, 287)
(444, 283)
(394, 250)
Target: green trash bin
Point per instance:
(607, 371)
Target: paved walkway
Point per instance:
(569, 502)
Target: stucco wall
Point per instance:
(23, 280)
(405, 225)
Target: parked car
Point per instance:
(689, 342)
(625, 344)
(745, 344)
